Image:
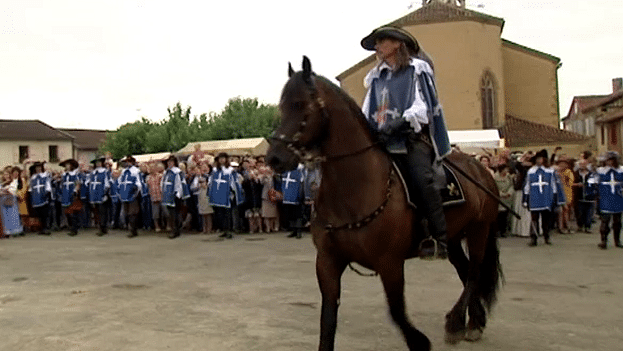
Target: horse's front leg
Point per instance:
(392, 276)
(329, 273)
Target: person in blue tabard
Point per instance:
(584, 192)
(85, 214)
(41, 191)
(292, 184)
(402, 107)
(540, 196)
(99, 184)
(70, 194)
(224, 192)
(173, 194)
(146, 217)
(115, 212)
(610, 178)
(129, 189)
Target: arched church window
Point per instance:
(487, 96)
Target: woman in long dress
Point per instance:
(9, 207)
(269, 212)
(521, 227)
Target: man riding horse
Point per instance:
(401, 105)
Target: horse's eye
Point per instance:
(298, 105)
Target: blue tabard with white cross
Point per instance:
(540, 189)
(68, 187)
(292, 186)
(172, 186)
(127, 184)
(40, 187)
(385, 106)
(98, 184)
(610, 197)
(220, 187)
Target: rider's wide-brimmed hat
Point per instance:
(369, 41)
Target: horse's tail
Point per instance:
(491, 275)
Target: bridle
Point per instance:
(309, 155)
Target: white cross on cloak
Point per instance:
(289, 180)
(540, 183)
(612, 183)
(219, 180)
(39, 186)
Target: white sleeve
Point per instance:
(179, 192)
(417, 113)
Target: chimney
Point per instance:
(617, 85)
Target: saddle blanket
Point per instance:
(452, 194)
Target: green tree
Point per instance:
(241, 118)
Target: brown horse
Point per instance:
(363, 215)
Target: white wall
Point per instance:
(37, 150)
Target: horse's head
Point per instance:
(303, 121)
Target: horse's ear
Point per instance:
(290, 70)
(307, 71)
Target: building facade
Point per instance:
(33, 140)
(481, 78)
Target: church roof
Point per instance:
(87, 139)
(436, 12)
(528, 50)
(521, 133)
(30, 130)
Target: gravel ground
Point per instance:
(259, 292)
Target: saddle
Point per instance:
(451, 194)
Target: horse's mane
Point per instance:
(351, 104)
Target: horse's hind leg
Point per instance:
(329, 273)
(392, 276)
(456, 318)
(477, 314)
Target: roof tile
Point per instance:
(520, 132)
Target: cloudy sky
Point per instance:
(99, 64)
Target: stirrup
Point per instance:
(435, 247)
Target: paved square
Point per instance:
(259, 292)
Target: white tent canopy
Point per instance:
(239, 147)
(161, 156)
(486, 139)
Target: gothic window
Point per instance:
(487, 96)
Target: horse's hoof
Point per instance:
(454, 338)
(473, 335)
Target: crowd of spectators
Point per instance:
(509, 171)
(260, 210)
